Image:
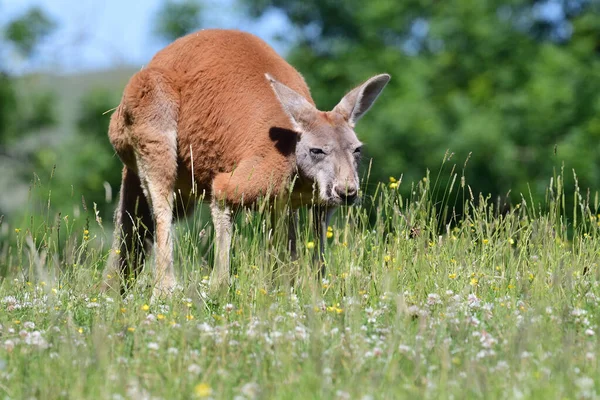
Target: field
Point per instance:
(502, 302)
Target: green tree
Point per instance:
(23, 34)
(513, 83)
(8, 109)
(85, 162)
(21, 113)
(27, 31)
(178, 18)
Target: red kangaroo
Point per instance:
(219, 112)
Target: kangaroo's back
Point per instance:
(227, 108)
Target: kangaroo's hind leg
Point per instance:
(134, 233)
(150, 112)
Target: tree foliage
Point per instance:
(23, 113)
(26, 32)
(8, 108)
(514, 84)
(177, 18)
(87, 169)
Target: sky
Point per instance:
(101, 34)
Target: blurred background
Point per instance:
(511, 86)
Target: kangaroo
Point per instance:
(219, 112)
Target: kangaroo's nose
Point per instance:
(347, 193)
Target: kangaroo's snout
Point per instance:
(347, 193)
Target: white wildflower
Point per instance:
(9, 345)
(404, 348)
(341, 395)
(473, 301)
(577, 312)
(194, 369)
(35, 339)
(433, 299)
(251, 390)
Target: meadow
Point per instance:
(497, 301)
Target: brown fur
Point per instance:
(206, 116)
(192, 78)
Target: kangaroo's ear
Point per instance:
(356, 103)
(295, 105)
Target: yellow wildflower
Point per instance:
(452, 275)
(145, 307)
(474, 281)
(336, 309)
(310, 245)
(202, 390)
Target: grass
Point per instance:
(492, 305)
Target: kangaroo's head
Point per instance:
(328, 151)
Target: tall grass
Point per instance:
(419, 300)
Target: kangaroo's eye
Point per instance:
(316, 152)
(357, 151)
